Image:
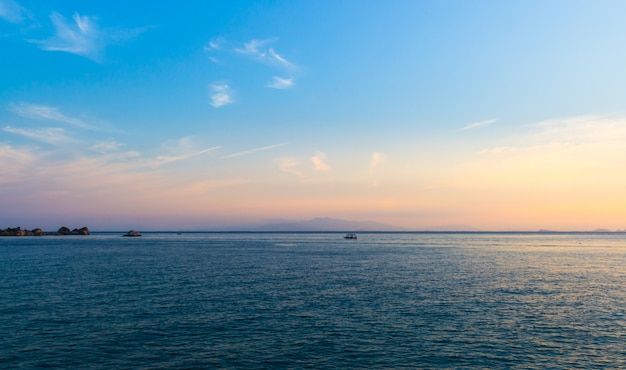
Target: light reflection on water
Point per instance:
(258, 300)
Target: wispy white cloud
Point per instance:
(280, 83)
(115, 156)
(289, 165)
(162, 160)
(44, 112)
(123, 156)
(276, 57)
(185, 144)
(107, 146)
(319, 162)
(81, 37)
(562, 134)
(377, 159)
(205, 186)
(50, 135)
(252, 47)
(9, 152)
(257, 49)
(582, 129)
(213, 45)
(220, 94)
(479, 124)
(14, 162)
(239, 154)
(11, 11)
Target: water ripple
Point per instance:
(312, 300)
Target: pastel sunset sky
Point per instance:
(500, 115)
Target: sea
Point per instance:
(314, 300)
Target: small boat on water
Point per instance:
(349, 236)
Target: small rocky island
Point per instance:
(18, 231)
(132, 233)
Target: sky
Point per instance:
(201, 115)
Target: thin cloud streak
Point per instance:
(50, 135)
(162, 160)
(280, 83)
(44, 112)
(479, 124)
(239, 154)
(274, 56)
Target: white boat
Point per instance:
(349, 236)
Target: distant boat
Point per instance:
(349, 236)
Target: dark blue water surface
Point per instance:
(314, 300)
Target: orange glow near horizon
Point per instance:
(553, 186)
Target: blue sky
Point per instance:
(498, 115)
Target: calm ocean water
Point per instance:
(314, 300)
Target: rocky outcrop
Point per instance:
(9, 231)
(66, 231)
(82, 231)
(132, 233)
(18, 231)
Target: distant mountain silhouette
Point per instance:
(584, 231)
(456, 227)
(320, 224)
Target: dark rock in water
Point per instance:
(63, 231)
(15, 231)
(82, 231)
(66, 231)
(132, 233)
(11, 231)
(18, 231)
